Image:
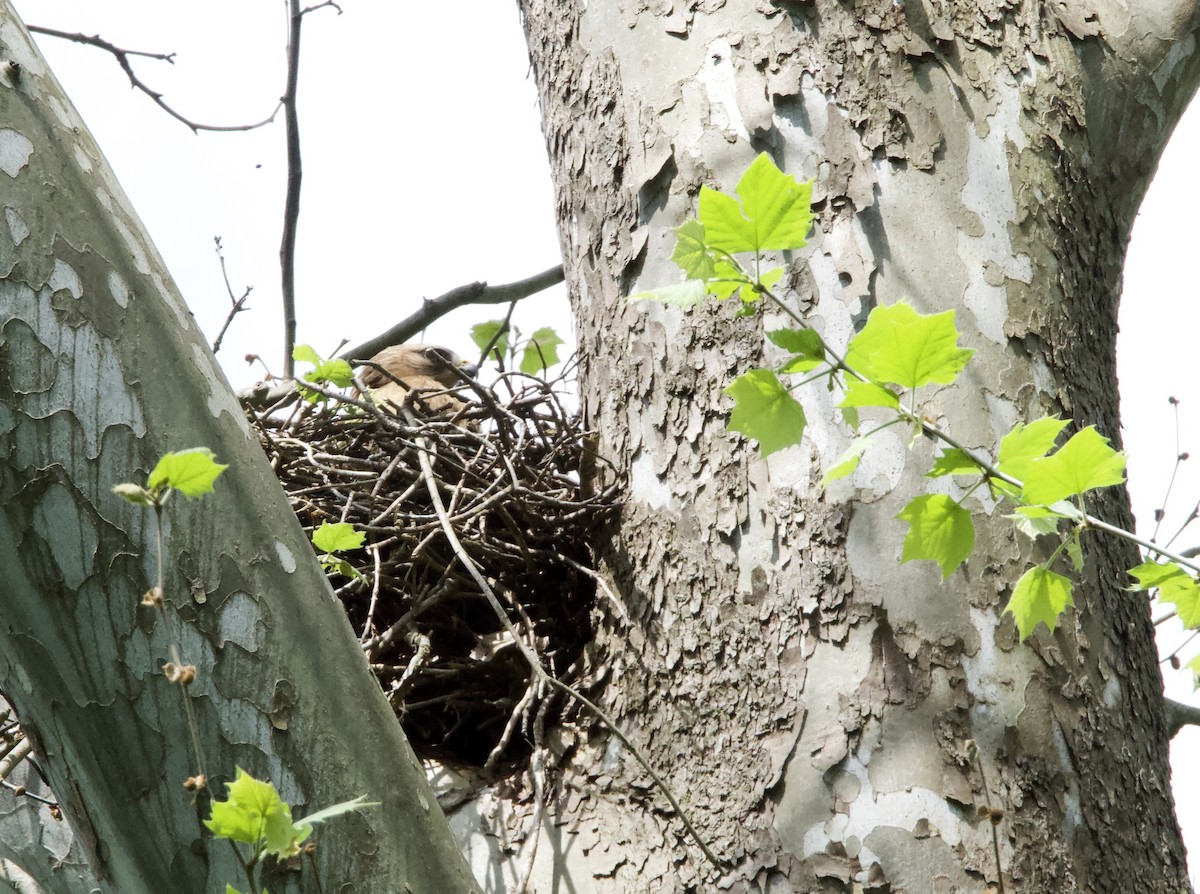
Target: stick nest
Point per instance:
(517, 477)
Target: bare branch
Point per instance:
(1180, 715)
(238, 304)
(317, 6)
(291, 204)
(122, 55)
(435, 308)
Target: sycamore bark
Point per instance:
(812, 701)
(102, 370)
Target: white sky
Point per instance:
(424, 169)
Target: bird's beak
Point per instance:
(470, 369)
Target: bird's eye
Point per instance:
(439, 354)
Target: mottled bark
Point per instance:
(813, 701)
(102, 369)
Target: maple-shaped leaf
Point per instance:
(683, 294)
(1034, 521)
(938, 529)
(692, 253)
(847, 462)
(763, 409)
(1025, 443)
(953, 461)
(805, 344)
(899, 346)
(775, 211)
(1085, 462)
(254, 813)
(868, 394)
(336, 537)
(191, 472)
(1174, 586)
(541, 352)
(1039, 598)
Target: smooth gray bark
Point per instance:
(101, 371)
(814, 702)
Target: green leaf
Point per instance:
(1174, 585)
(1039, 597)
(692, 253)
(191, 472)
(774, 214)
(939, 529)
(337, 537)
(683, 294)
(728, 279)
(483, 333)
(1074, 550)
(847, 462)
(254, 814)
(1034, 521)
(336, 372)
(1151, 574)
(954, 461)
(133, 493)
(901, 347)
(763, 409)
(230, 889)
(868, 394)
(1083, 463)
(1025, 443)
(306, 354)
(541, 352)
(771, 278)
(805, 344)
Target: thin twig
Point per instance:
(237, 304)
(122, 56)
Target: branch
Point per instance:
(122, 55)
(1179, 715)
(291, 204)
(433, 309)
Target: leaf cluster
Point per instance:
(255, 816)
(889, 367)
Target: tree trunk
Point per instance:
(816, 705)
(101, 371)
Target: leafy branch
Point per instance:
(886, 367)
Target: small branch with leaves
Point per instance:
(884, 368)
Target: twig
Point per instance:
(537, 775)
(994, 816)
(237, 304)
(122, 56)
(14, 757)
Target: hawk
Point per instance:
(429, 370)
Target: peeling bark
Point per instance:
(101, 371)
(813, 702)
